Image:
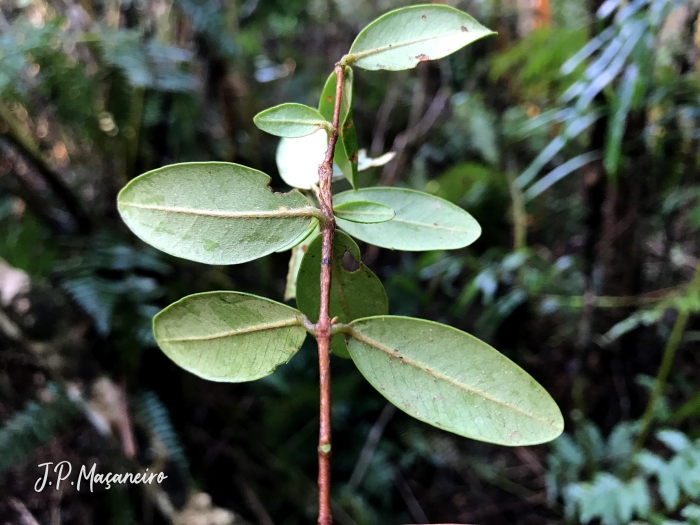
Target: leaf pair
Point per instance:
(220, 213)
(433, 372)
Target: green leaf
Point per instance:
(422, 221)
(213, 212)
(297, 255)
(452, 380)
(312, 229)
(363, 212)
(326, 104)
(228, 336)
(402, 38)
(291, 120)
(354, 294)
(346, 153)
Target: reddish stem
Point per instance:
(323, 327)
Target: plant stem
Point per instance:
(666, 362)
(323, 326)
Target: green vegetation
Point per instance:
(560, 155)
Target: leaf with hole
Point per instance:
(346, 153)
(452, 380)
(403, 38)
(422, 221)
(354, 293)
(213, 212)
(363, 212)
(228, 336)
(290, 120)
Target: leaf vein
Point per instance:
(407, 360)
(232, 333)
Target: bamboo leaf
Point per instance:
(402, 38)
(452, 380)
(213, 212)
(290, 120)
(422, 221)
(363, 212)
(228, 336)
(346, 153)
(354, 294)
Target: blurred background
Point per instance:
(572, 137)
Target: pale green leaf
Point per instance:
(312, 229)
(346, 153)
(402, 38)
(354, 294)
(290, 120)
(228, 336)
(422, 221)
(213, 212)
(298, 159)
(363, 212)
(452, 380)
(297, 255)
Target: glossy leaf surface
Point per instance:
(454, 381)
(212, 212)
(354, 294)
(403, 38)
(422, 221)
(363, 212)
(290, 120)
(228, 336)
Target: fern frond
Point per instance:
(34, 426)
(157, 417)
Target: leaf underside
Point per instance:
(454, 381)
(212, 212)
(403, 38)
(363, 212)
(228, 336)
(290, 120)
(422, 221)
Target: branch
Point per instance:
(323, 326)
